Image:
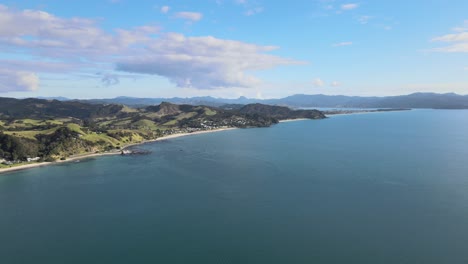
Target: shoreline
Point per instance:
(172, 136)
(292, 120)
(113, 152)
(363, 112)
(345, 114)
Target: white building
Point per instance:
(33, 159)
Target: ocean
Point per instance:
(372, 188)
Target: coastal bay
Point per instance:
(79, 157)
(45, 131)
(383, 188)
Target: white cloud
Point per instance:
(251, 8)
(335, 84)
(80, 46)
(364, 19)
(461, 28)
(460, 47)
(192, 16)
(350, 6)
(341, 44)
(203, 62)
(253, 11)
(458, 42)
(318, 82)
(43, 66)
(18, 81)
(458, 37)
(165, 9)
(52, 36)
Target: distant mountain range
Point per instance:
(415, 100)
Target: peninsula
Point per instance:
(37, 131)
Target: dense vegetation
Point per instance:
(51, 129)
(280, 112)
(17, 148)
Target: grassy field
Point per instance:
(96, 138)
(145, 124)
(209, 112)
(21, 129)
(30, 133)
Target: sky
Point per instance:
(232, 48)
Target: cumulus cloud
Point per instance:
(318, 82)
(165, 9)
(457, 42)
(191, 16)
(341, 44)
(18, 81)
(74, 45)
(349, 6)
(203, 62)
(71, 38)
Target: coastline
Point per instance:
(362, 112)
(345, 114)
(113, 152)
(292, 120)
(118, 152)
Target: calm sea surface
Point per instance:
(369, 188)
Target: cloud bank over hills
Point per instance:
(81, 45)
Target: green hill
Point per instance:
(52, 129)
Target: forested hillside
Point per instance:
(51, 129)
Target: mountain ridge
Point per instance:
(414, 100)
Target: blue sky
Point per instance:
(231, 48)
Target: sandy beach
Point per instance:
(113, 152)
(193, 133)
(291, 120)
(355, 113)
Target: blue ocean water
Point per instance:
(367, 188)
